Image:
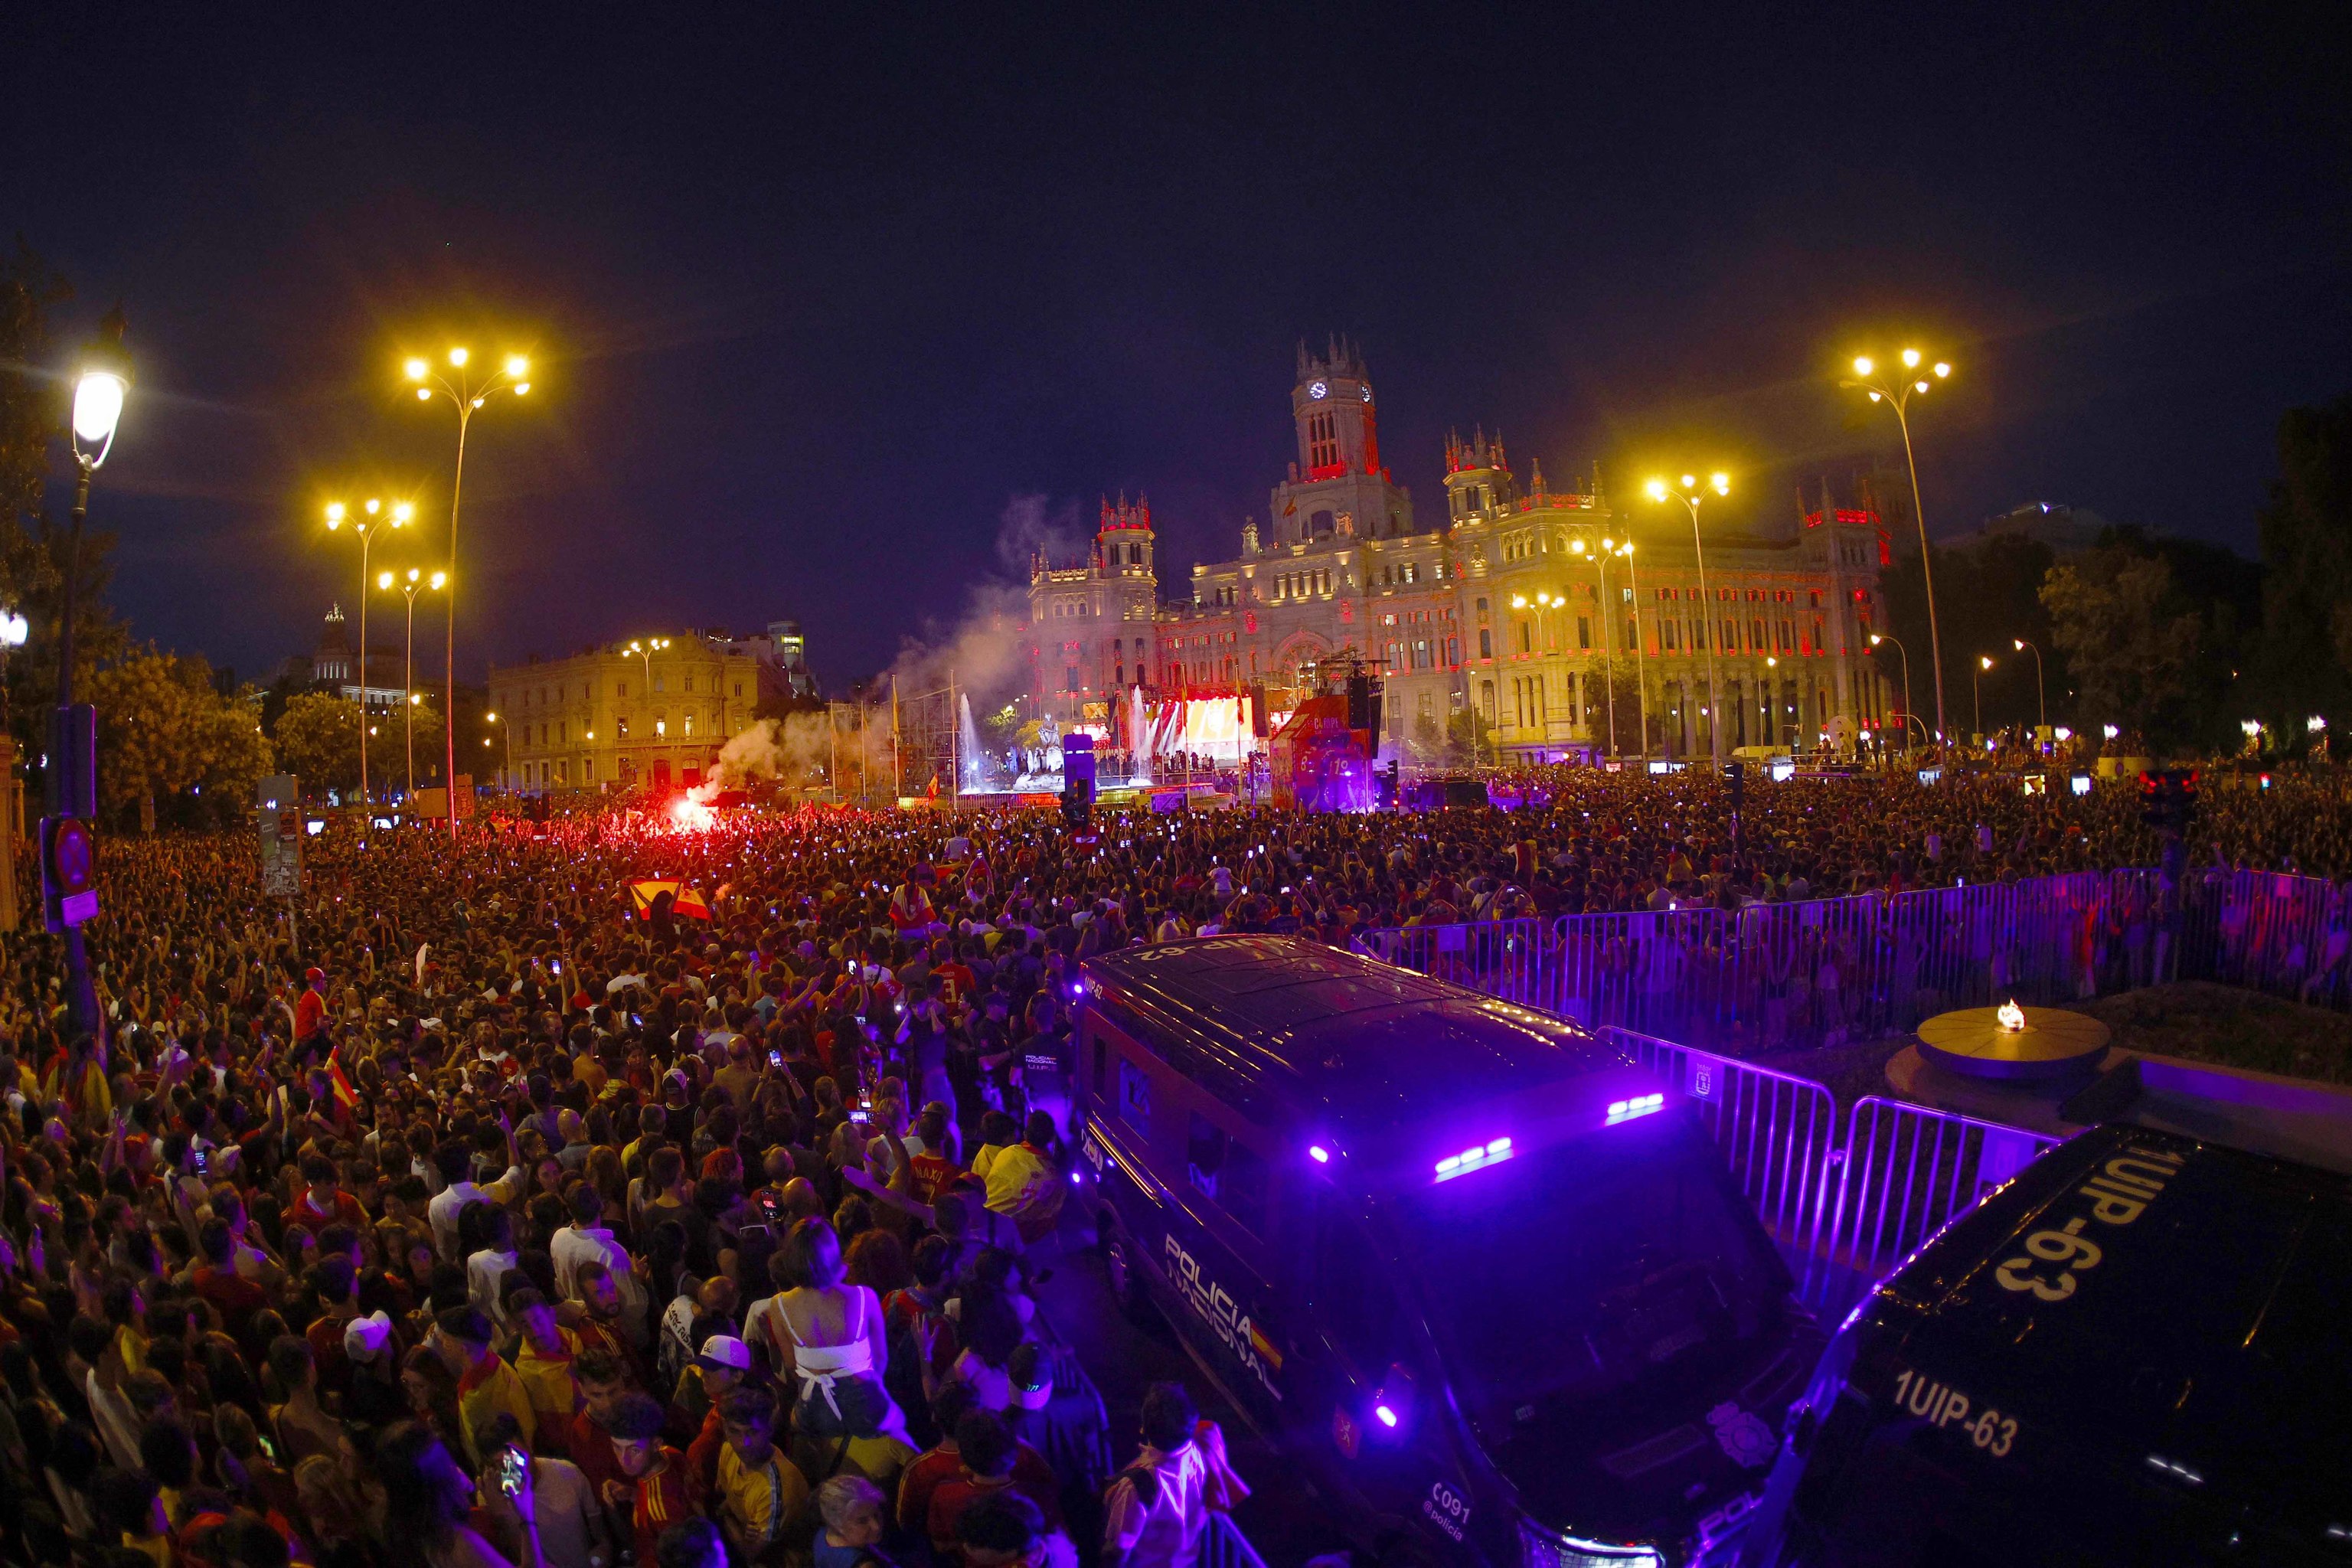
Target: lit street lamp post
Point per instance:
(99, 393)
(1609, 547)
(1690, 494)
(1976, 694)
(1896, 393)
(364, 529)
(467, 395)
(2041, 697)
(506, 772)
(1877, 638)
(415, 583)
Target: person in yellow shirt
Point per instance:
(485, 1383)
(758, 1488)
(543, 1360)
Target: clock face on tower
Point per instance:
(1318, 389)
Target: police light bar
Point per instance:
(1475, 1158)
(1627, 1109)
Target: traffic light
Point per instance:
(68, 872)
(2167, 799)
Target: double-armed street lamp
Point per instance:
(457, 381)
(1896, 391)
(1691, 493)
(372, 518)
(505, 774)
(413, 583)
(1608, 549)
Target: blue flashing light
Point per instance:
(1076, 1179)
(1387, 1416)
(1641, 1105)
(1476, 1157)
(1319, 1154)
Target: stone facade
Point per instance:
(609, 718)
(1501, 610)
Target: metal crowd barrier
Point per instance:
(1904, 1172)
(1778, 1133)
(1785, 976)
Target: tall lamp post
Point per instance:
(1976, 694)
(100, 390)
(1609, 547)
(467, 395)
(506, 772)
(1691, 494)
(1877, 638)
(1896, 392)
(2041, 696)
(415, 583)
(372, 518)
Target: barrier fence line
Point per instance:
(1904, 1172)
(1784, 976)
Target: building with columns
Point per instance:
(1539, 612)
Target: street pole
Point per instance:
(1690, 495)
(408, 694)
(1904, 653)
(2041, 697)
(1897, 394)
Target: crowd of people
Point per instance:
(467, 1210)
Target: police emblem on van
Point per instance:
(1224, 1315)
(1743, 1435)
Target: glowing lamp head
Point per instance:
(414, 573)
(403, 514)
(98, 405)
(423, 395)
(1656, 489)
(2011, 1017)
(335, 514)
(1721, 482)
(1875, 639)
(14, 629)
(458, 357)
(1984, 662)
(415, 369)
(1942, 370)
(1518, 601)
(440, 579)
(1690, 481)
(1920, 386)
(1874, 398)
(1319, 1154)
(518, 366)
(2018, 644)
(1576, 547)
(521, 387)
(383, 580)
(1386, 1415)
(1862, 366)
(1910, 359)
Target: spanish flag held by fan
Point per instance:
(685, 902)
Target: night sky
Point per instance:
(814, 305)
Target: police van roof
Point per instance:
(2174, 1305)
(1277, 1023)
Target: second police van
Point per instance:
(1487, 1280)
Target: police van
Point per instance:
(1488, 1281)
(2134, 1352)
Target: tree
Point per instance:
(2129, 637)
(165, 733)
(2306, 538)
(317, 740)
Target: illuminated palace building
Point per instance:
(1524, 605)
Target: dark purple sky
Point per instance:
(813, 302)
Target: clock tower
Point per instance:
(1337, 486)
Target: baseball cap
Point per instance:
(727, 1351)
(1032, 1379)
(365, 1338)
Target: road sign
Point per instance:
(69, 872)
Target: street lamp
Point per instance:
(1976, 697)
(467, 394)
(415, 583)
(2041, 697)
(1896, 391)
(1691, 493)
(1610, 547)
(1877, 638)
(644, 649)
(505, 774)
(372, 519)
(101, 386)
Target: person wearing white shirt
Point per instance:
(455, 1162)
(486, 1269)
(583, 1240)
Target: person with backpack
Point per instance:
(1158, 1507)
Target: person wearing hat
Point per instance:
(310, 1006)
(719, 1368)
(372, 1349)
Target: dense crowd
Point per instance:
(470, 1210)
